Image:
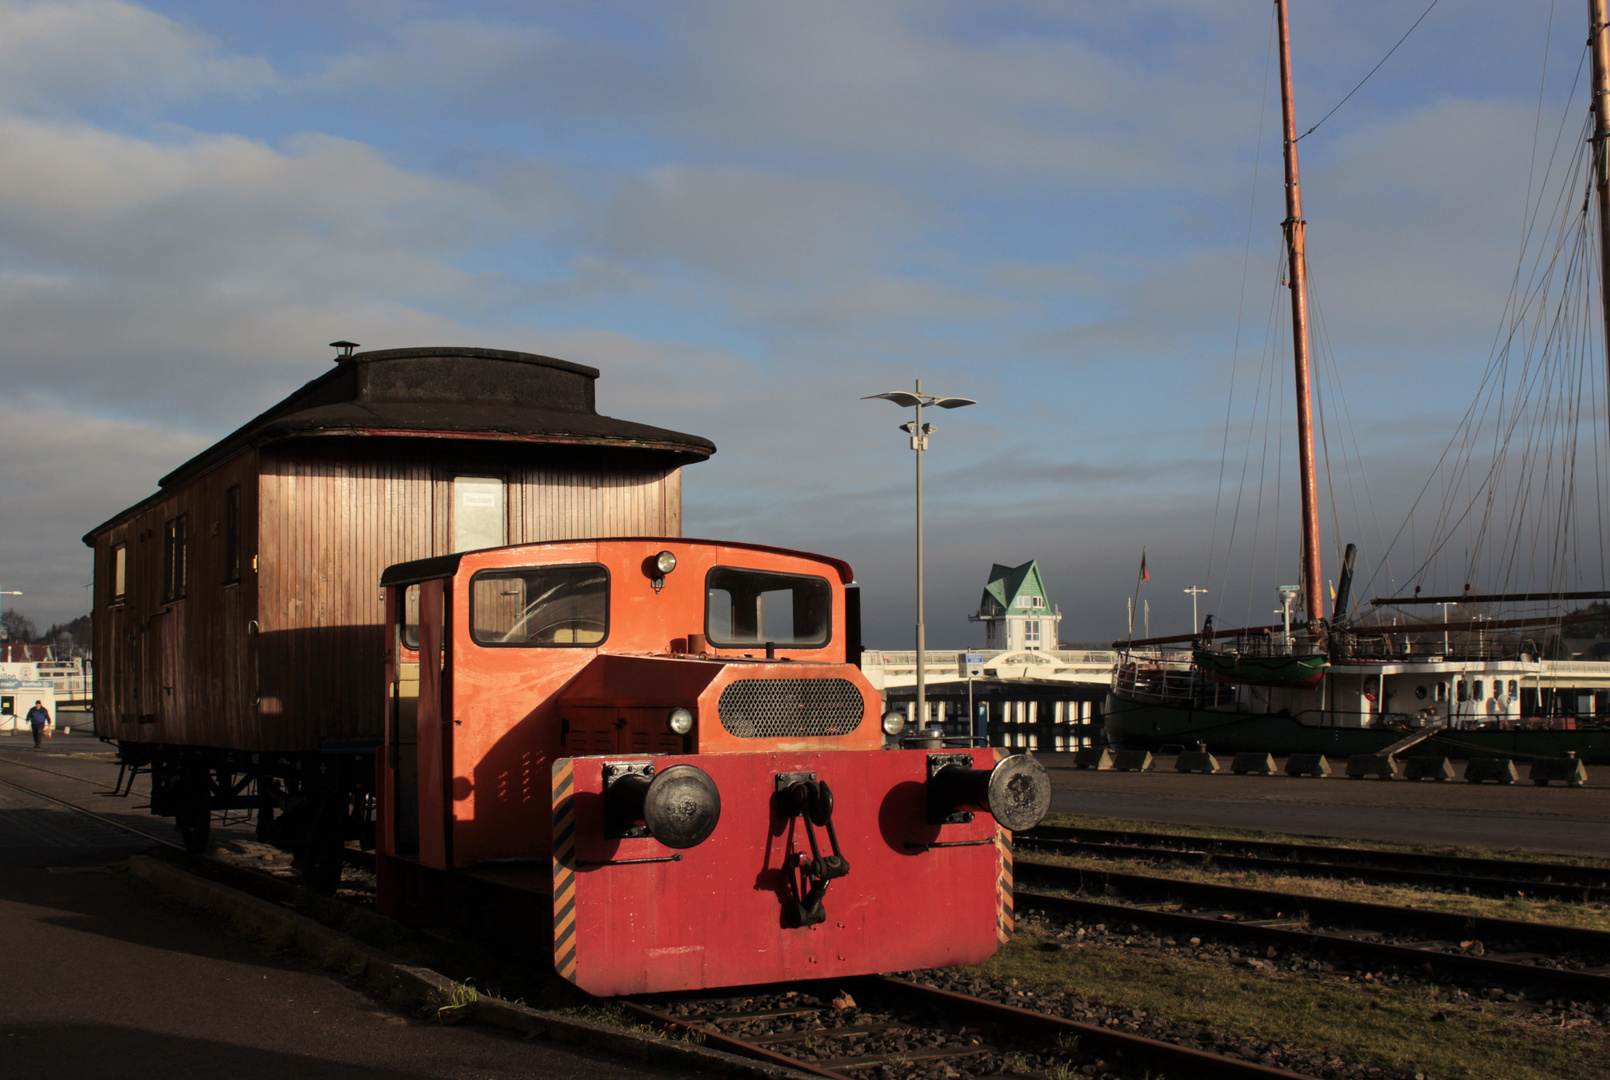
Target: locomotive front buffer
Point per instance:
(681, 763)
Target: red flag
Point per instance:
(1144, 576)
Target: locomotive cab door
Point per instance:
(423, 740)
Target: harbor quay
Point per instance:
(1553, 819)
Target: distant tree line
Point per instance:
(16, 626)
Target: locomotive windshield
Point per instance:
(540, 605)
(753, 607)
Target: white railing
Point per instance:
(953, 658)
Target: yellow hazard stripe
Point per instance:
(1003, 884)
(564, 869)
(1003, 889)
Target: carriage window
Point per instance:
(477, 513)
(120, 572)
(540, 605)
(175, 560)
(752, 607)
(232, 534)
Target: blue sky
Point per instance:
(749, 214)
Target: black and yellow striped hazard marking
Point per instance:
(1003, 889)
(1003, 884)
(564, 868)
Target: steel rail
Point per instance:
(1594, 877)
(1167, 1055)
(239, 877)
(1183, 1059)
(1297, 868)
(1550, 938)
(6, 759)
(722, 1041)
(90, 813)
(1433, 962)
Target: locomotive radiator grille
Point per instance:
(790, 708)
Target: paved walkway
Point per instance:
(105, 977)
(1550, 819)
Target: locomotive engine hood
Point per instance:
(738, 705)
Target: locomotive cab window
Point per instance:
(540, 605)
(753, 607)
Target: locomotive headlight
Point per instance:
(680, 721)
(893, 723)
(657, 566)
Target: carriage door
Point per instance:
(433, 726)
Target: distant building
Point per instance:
(1015, 612)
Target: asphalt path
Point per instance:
(1553, 819)
(107, 977)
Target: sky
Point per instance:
(748, 214)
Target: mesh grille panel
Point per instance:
(790, 708)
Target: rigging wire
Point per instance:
(1372, 71)
(1241, 302)
(1530, 295)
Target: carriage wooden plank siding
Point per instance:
(240, 606)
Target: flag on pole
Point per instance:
(1144, 576)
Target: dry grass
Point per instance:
(1387, 1026)
(1588, 916)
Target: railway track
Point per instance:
(860, 1027)
(1497, 877)
(891, 1022)
(1494, 952)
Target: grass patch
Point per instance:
(1588, 916)
(1359, 1022)
(1214, 832)
(452, 1002)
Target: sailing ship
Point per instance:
(1384, 680)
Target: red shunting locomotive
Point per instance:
(664, 742)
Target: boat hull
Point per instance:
(1138, 725)
(1298, 672)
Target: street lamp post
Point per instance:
(919, 433)
(1195, 591)
(1445, 605)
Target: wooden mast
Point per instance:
(1295, 228)
(1599, 46)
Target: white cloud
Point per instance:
(62, 471)
(741, 222)
(61, 54)
(169, 277)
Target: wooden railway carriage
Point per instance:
(239, 624)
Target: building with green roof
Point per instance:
(1015, 611)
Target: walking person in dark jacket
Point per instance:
(38, 719)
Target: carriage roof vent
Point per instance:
(346, 348)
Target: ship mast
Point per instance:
(1295, 228)
(1599, 46)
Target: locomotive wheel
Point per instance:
(194, 823)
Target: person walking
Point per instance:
(38, 719)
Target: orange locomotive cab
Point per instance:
(668, 745)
